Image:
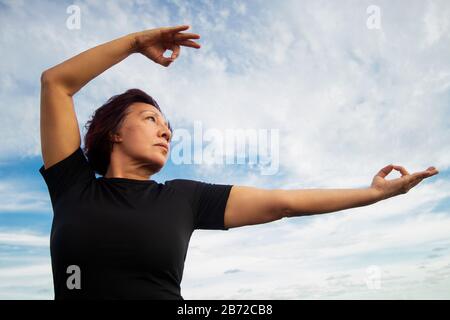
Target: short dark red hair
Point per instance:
(107, 120)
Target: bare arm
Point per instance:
(60, 135)
(249, 206)
(74, 73)
(77, 71)
(316, 201)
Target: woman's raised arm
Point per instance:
(77, 71)
(60, 134)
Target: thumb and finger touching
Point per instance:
(407, 180)
(404, 173)
(172, 40)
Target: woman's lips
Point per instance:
(164, 147)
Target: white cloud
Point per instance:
(15, 196)
(26, 282)
(23, 238)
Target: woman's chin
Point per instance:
(159, 160)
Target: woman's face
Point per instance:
(143, 127)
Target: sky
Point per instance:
(340, 88)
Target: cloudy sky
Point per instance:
(347, 86)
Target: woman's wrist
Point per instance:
(377, 194)
(133, 42)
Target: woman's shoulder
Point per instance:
(188, 183)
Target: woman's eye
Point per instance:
(154, 119)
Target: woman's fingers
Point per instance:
(385, 171)
(402, 170)
(401, 185)
(175, 33)
(189, 43)
(431, 171)
(164, 61)
(177, 36)
(419, 176)
(172, 34)
(175, 51)
(185, 36)
(178, 28)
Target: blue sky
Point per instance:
(346, 100)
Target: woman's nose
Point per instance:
(166, 134)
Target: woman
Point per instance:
(123, 236)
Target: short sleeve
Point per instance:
(73, 170)
(208, 202)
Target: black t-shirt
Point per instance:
(128, 238)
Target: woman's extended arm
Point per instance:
(249, 206)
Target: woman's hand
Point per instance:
(154, 42)
(390, 188)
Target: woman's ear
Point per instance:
(115, 137)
